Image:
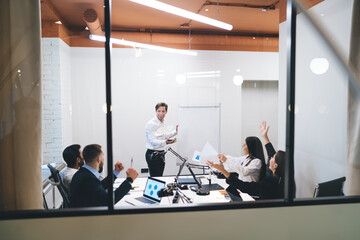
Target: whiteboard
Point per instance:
(197, 126)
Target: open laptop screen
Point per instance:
(153, 186)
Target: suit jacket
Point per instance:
(88, 191)
(270, 152)
(268, 188)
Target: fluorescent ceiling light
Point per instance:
(183, 13)
(142, 45)
(208, 74)
(203, 76)
(202, 73)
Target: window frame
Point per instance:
(288, 200)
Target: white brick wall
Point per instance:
(56, 96)
(65, 69)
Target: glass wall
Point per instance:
(73, 81)
(323, 112)
(221, 87)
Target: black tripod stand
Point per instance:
(199, 190)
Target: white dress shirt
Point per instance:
(155, 138)
(248, 172)
(66, 176)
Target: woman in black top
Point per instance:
(271, 187)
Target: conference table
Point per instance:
(215, 196)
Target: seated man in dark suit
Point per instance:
(86, 190)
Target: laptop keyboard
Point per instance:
(145, 200)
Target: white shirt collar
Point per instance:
(157, 120)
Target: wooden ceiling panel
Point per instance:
(126, 14)
(246, 16)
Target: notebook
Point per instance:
(150, 194)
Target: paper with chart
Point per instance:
(164, 130)
(208, 153)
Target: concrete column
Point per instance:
(20, 105)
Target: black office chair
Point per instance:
(331, 188)
(58, 182)
(46, 207)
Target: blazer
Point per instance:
(88, 191)
(270, 152)
(268, 188)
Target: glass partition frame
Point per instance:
(289, 186)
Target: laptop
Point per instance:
(150, 194)
(234, 195)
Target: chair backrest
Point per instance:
(330, 189)
(45, 205)
(57, 179)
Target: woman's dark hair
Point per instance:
(280, 171)
(255, 148)
(280, 161)
(161, 104)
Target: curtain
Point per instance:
(353, 159)
(20, 105)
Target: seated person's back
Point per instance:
(86, 189)
(72, 155)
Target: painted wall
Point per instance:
(139, 81)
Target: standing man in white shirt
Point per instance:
(157, 137)
(72, 155)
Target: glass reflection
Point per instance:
(322, 162)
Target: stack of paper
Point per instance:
(208, 153)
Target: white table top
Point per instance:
(214, 196)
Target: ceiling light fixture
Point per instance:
(208, 74)
(142, 45)
(238, 80)
(319, 66)
(183, 13)
(58, 22)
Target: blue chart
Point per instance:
(152, 188)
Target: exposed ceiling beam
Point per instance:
(271, 6)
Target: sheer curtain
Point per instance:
(20, 105)
(353, 160)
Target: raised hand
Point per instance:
(119, 166)
(264, 131)
(220, 167)
(132, 173)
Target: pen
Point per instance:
(132, 162)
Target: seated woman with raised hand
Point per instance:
(268, 145)
(271, 187)
(251, 167)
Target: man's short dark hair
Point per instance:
(91, 152)
(161, 104)
(70, 154)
